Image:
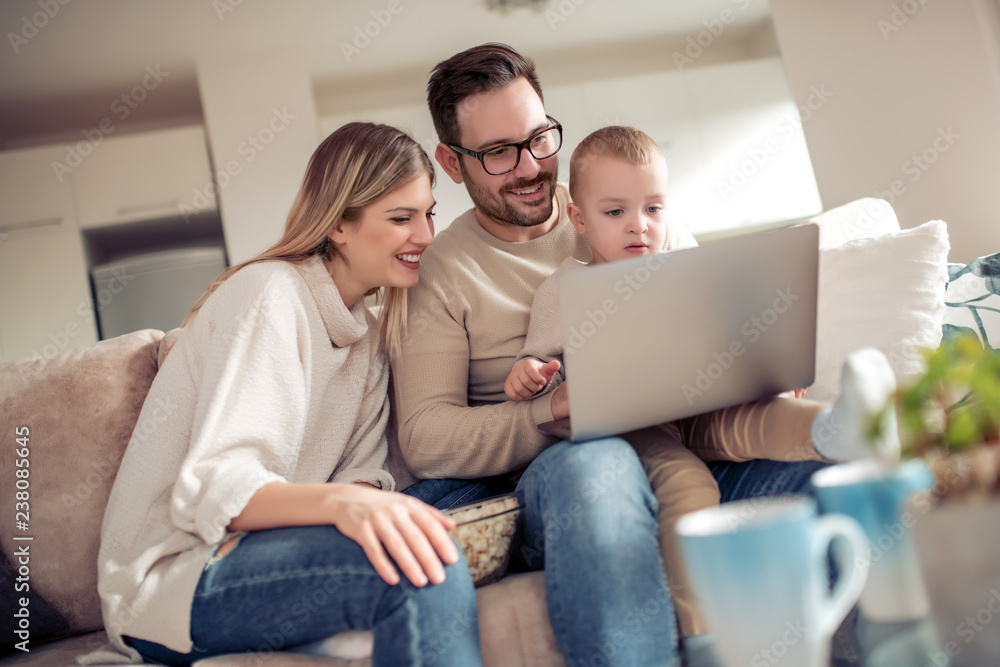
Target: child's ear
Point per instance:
(448, 159)
(576, 217)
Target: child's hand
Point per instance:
(528, 378)
(560, 401)
(795, 393)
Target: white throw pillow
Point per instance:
(861, 218)
(886, 292)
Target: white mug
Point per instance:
(759, 569)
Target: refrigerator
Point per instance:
(152, 290)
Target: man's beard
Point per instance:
(498, 207)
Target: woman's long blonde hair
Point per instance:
(356, 165)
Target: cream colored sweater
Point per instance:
(467, 319)
(275, 380)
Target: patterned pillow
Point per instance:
(973, 300)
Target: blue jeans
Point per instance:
(282, 588)
(762, 477)
(591, 525)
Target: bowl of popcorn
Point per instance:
(484, 530)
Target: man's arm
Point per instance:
(440, 435)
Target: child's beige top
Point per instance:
(544, 340)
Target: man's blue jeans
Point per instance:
(591, 525)
(282, 588)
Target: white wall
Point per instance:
(730, 133)
(414, 119)
(261, 122)
(913, 113)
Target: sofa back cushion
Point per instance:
(74, 414)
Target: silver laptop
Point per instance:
(655, 339)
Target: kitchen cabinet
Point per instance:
(45, 297)
(147, 176)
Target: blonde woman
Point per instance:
(253, 510)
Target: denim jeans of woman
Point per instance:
(282, 588)
(591, 525)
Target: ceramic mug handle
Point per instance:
(850, 579)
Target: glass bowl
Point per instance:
(485, 530)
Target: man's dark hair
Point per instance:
(477, 70)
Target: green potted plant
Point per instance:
(950, 417)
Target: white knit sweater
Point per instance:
(275, 380)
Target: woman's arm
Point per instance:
(414, 534)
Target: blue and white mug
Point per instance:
(759, 569)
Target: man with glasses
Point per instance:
(590, 516)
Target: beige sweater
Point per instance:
(275, 380)
(467, 319)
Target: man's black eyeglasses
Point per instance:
(503, 158)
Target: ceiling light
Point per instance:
(504, 6)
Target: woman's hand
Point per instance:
(413, 533)
(529, 377)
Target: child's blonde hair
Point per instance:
(625, 143)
